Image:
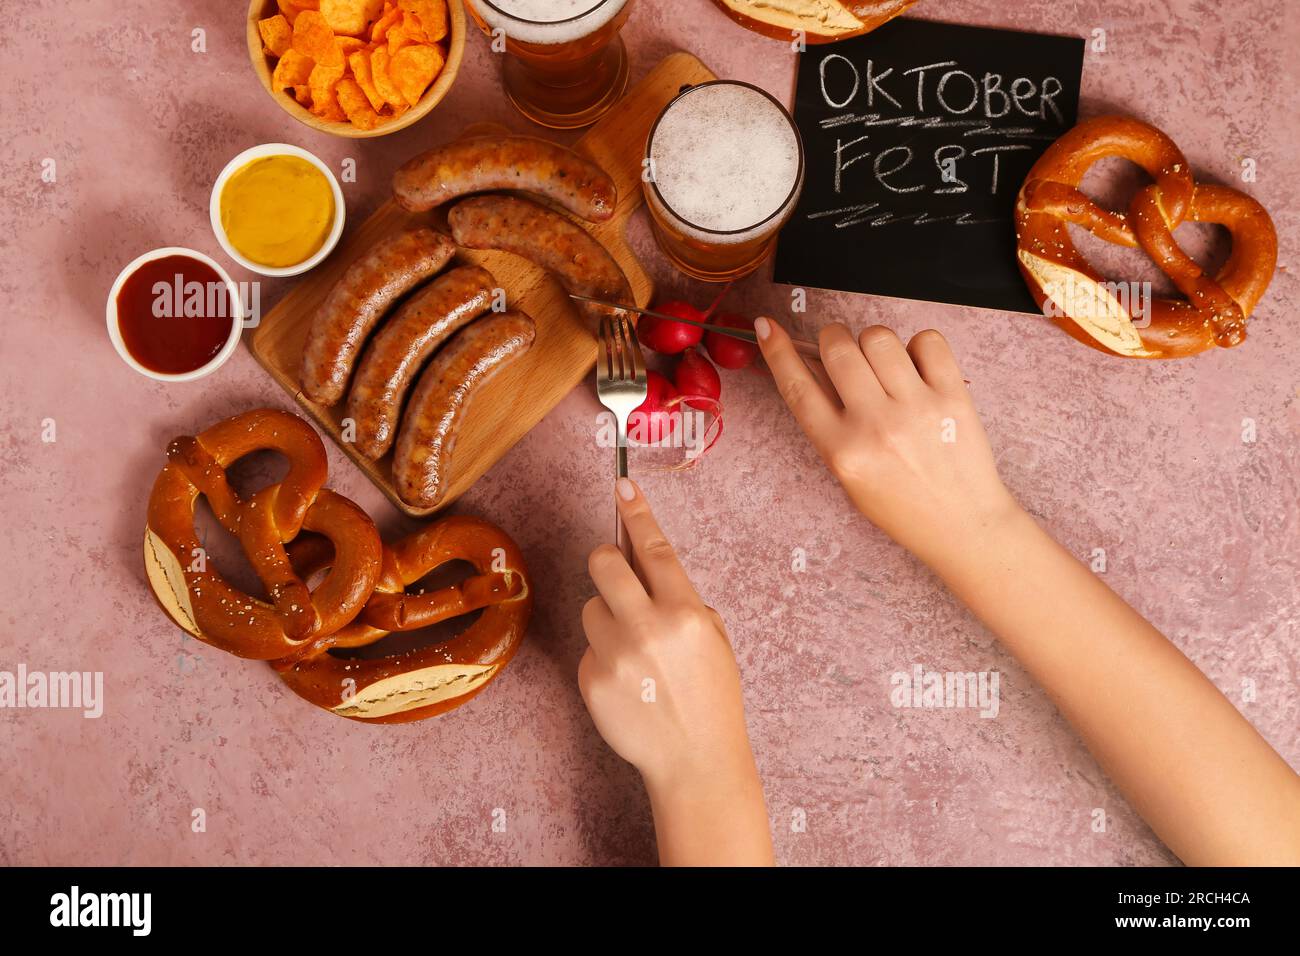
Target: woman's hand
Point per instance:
(663, 689)
(897, 428)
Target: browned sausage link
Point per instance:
(425, 445)
(553, 242)
(506, 162)
(399, 348)
(363, 293)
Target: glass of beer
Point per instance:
(564, 63)
(723, 168)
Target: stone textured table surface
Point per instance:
(1146, 461)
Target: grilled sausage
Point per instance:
(361, 296)
(569, 252)
(427, 441)
(399, 349)
(506, 162)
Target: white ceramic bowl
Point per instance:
(236, 321)
(242, 160)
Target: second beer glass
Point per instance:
(724, 166)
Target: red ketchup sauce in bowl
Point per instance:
(174, 315)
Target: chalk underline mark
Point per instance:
(971, 127)
(867, 212)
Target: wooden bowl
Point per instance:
(260, 9)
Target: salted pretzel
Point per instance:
(434, 679)
(194, 593)
(1082, 302)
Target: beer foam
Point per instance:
(725, 159)
(548, 21)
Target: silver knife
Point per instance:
(805, 348)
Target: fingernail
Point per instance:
(626, 490)
(762, 328)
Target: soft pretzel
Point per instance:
(434, 679)
(1083, 303)
(195, 594)
(363, 595)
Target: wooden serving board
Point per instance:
(564, 350)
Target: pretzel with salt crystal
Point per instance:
(431, 680)
(198, 598)
(1084, 304)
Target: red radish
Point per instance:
(726, 351)
(654, 419)
(668, 337)
(697, 379)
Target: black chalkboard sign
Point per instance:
(917, 138)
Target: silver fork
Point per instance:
(621, 387)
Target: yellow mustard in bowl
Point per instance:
(277, 211)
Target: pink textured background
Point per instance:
(1144, 460)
